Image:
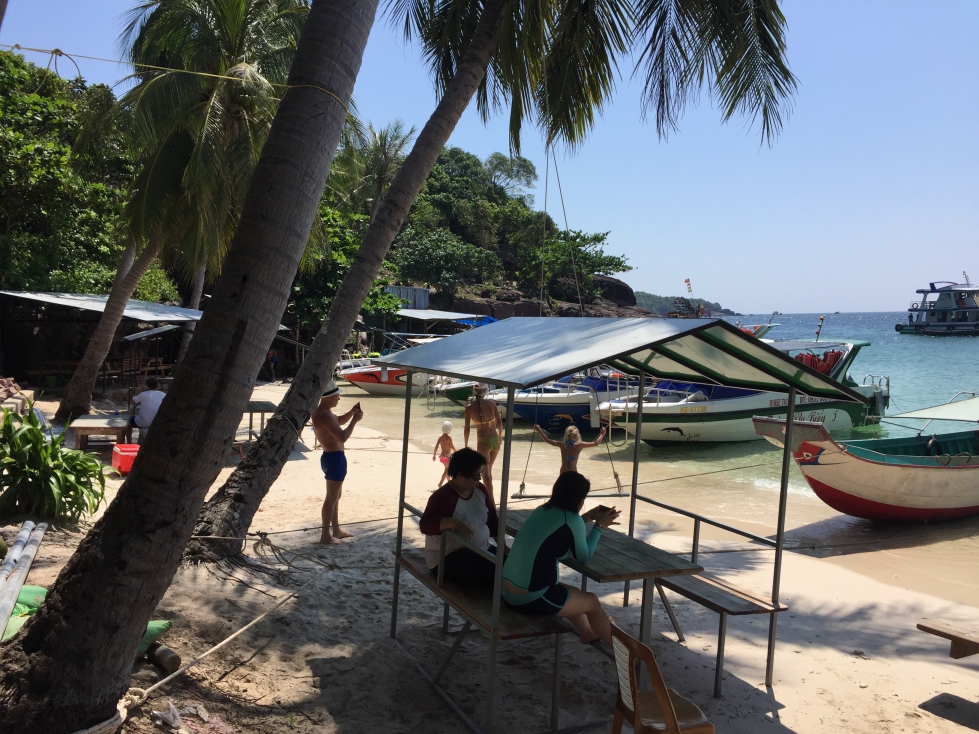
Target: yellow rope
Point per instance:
(57, 52)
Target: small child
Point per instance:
(445, 445)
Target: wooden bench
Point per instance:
(718, 596)
(101, 425)
(963, 644)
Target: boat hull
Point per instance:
(388, 382)
(895, 487)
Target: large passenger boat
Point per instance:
(953, 312)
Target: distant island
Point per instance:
(661, 305)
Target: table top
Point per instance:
(619, 557)
(101, 421)
(261, 406)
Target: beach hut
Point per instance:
(520, 353)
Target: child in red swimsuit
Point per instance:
(445, 445)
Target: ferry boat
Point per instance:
(953, 312)
(920, 478)
(714, 413)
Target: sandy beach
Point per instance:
(848, 658)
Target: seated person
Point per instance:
(553, 532)
(462, 504)
(146, 404)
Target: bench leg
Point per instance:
(394, 600)
(625, 595)
(556, 693)
(453, 650)
(770, 664)
(669, 611)
(445, 619)
(490, 686)
(584, 582)
(958, 650)
(719, 668)
(646, 612)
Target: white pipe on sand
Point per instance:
(15, 581)
(15, 550)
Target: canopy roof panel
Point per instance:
(138, 310)
(428, 314)
(523, 352)
(961, 410)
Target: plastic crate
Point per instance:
(123, 456)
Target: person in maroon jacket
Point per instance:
(462, 504)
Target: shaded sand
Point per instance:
(848, 658)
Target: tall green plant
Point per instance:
(43, 478)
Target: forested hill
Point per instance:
(661, 305)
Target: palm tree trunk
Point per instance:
(195, 302)
(71, 663)
(77, 397)
(230, 512)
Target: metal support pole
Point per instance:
(696, 540)
(500, 555)
(401, 506)
(635, 470)
(719, 667)
(783, 498)
(556, 692)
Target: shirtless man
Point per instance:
(331, 436)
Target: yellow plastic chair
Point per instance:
(661, 710)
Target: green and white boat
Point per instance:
(675, 412)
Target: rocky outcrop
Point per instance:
(617, 301)
(602, 308)
(500, 309)
(616, 291)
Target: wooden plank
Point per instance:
(260, 406)
(477, 606)
(720, 596)
(963, 644)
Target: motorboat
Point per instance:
(676, 412)
(378, 380)
(953, 312)
(923, 477)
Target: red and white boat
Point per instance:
(924, 477)
(384, 380)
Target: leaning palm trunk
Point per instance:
(230, 512)
(194, 302)
(71, 663)
(77, 398)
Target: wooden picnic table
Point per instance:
(621, 558)
(101, 425)
(261, 407)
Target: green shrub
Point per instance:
(45, 480)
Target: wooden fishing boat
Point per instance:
(923, 477)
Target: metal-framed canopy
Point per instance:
(524, 352)
(518, 353)
(138, 310)
(962, 410)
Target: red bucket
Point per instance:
(123, 456)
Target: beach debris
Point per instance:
(169, 718)
(197, 710)
(860, 654)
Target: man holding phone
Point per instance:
(332, 437)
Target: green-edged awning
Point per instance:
(961, 410)
(523, 352)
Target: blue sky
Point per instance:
(870, 192)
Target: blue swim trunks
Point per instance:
(334, 465)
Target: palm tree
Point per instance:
(197, 139)
(553, 62)
(72, 661)
(367, 164)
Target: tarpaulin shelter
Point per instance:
(520, 353)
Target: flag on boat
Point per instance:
(689, 287)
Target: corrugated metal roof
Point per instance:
(429, 314)
(138, 310)
(522, 352)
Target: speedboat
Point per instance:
(378, 380)
(923, 477)
(675, 412)
(954, 312)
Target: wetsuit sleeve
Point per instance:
(583, 546)
(441, 504)
(492, 519)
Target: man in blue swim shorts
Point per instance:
(332, 437)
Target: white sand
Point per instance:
(325, 662)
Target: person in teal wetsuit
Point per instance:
(553, 532)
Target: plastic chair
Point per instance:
(661, 710)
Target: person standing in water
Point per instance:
(332, 437)
(445, 445)
(483, 413)
(571, 447)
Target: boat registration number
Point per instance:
(694, 409)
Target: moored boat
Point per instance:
(954, 312)
(676, 412)
(923, 477)
(383, 380)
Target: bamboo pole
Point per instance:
(15, 581)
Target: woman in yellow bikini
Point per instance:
(483, 413)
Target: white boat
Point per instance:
(384, 380)
(924, 477)
(711, 413)
(954, 312)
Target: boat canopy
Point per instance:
(795, 346)
(429, 314)
(524, 352)
(961, 410)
